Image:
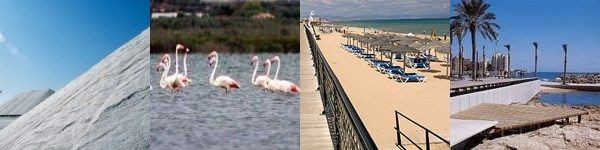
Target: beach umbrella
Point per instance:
(423, 40)
(385, 48)
(404, 49)
(431, 45)
(444, 49)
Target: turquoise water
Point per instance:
(416, 26)
(573, 98)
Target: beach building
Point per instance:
(156, 15)
(499, 64)
(21, 104)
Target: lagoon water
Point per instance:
(204, 117)
(416, 26)
(574, 98)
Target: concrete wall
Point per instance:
(518, 93)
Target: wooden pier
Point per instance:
(516, 118)
(314, 130)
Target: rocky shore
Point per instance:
(584, 135)
(583, 78)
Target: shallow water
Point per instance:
(416, 26)
(575, 98)
(204, 117)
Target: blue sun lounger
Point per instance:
(404, 78)
(418, 63)
(366, 56)
(374, 63)
(383, 68)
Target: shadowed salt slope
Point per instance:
(104, 108)
(24, 101)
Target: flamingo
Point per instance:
(185, 79)
(224, 82)
(281, 85)
(261, 80)
(177, 80)
(167, 81)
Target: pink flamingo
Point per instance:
(185, 79)
(167, 81)
(224, 82)
(261, 80)
(177, 80)
(281, 85)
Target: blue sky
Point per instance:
(551, 23)
(46, 44)
(375, 9)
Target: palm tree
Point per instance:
(565, 65)
(535, 45)
(483, 63)
(457, 30)
(474, 14)
(508, 48)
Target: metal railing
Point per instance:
(427, 143)
(482, 87)
(346, 128)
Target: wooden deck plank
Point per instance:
(314, 130)
(515, 116)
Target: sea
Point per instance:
(416, 26)
(573, 98)
(204, 117)
(550, 76)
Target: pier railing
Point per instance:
(482, 87)
(426, 131)
(346, 128)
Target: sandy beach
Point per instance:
(375, 96)
(551, 89)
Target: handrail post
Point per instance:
(427, 140)
(399, 142)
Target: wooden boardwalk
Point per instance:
(516, 117)
(314, 130)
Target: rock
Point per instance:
(104, 108)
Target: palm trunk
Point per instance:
(483, 61)
(461, 58)
(473, 47)
(564, 81)
(536, 59)
(509, 63)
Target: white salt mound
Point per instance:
(104, 108)
(24, 101)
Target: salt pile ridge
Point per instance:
(104, 108)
